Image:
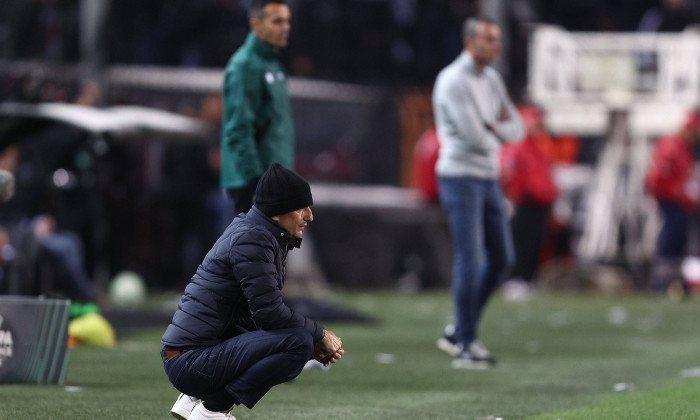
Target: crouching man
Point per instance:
(232, 338)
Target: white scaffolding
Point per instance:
(628, 88)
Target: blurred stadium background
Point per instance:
(115, 108)
(614, 74)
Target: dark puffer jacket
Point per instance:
(238, 287)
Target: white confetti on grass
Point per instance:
(617, 316)
(532, 346)
(623, 386)
(693, 372)
(648, 324)
(558, 319)
(384, 358)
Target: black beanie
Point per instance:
(281, 191)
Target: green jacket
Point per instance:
(257, 127)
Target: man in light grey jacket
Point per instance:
(474, 115)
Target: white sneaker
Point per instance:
(449, 345)
(479, 351)
(183, 406)
(201, 413)
(448, 342)
(467, 361)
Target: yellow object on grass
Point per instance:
(93, 330)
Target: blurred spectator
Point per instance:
(393, 42)
(563, 152)
(526, 170)
(64, 250)
(46, 29)
(201, 33)
(132, 31)
(89, 94)
(564, 149)
(425, 156)
(593, 15)
(669, 16)
(219, 209)
(221, 27)
(670, 180)
(29, 244)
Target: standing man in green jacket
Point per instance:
(257, 125)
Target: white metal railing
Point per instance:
(199, 80)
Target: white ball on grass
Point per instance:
(127, 289)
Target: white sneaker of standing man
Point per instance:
(448, 342)
(479, 351)
(475, 356)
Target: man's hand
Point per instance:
(490, 128)
(329, 349)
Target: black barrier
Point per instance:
(33, 340)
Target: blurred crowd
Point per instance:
(82, 201)
(389, 42)
(394, 43)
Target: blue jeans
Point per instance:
(65, 249)
(482, 245)
(242, 369)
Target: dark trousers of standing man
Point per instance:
(243, 197)
(483, 247)
(240, 370)
(673, 237)
(528, 225)
(671, 245)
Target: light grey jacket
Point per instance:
(462, 102)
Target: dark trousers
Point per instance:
(483, 247)
(243, 197)
(528, 226)
(670, 246)
(240, 370)
(673, 238)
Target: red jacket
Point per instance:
(425, 155)
(527, 174)
(670, 170)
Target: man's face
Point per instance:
(274, 25)
(295, 221)
(485, 47)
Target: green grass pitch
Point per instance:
(560, 357)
